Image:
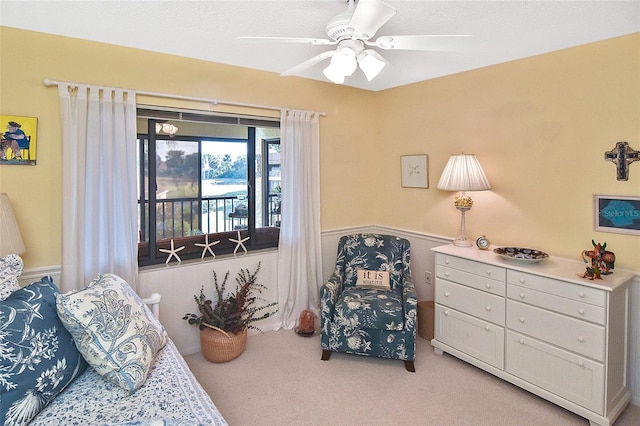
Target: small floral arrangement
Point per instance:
(235, 311)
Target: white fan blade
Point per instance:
(369, 16)
(309, 63)
(419, 42)
(313, 41)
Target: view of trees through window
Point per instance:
(204, 182)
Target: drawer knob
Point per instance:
(446, 261)
(522, 295)
(581, 363)
(522, 341)
(521, 280)
(580, 339)
(446, 294)
(488, 272)
(521, 319)
(446, 312)
(581, 311)
(488, 286)
(446, 274)
(488, 308)
(487, 328)
(581, 294)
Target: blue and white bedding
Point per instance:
(170, 396)
(95, 356)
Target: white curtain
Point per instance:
(99, 197)
(300, 256)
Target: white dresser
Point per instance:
(537, 325)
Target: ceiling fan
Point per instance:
(351, 32)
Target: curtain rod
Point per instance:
(49, 83)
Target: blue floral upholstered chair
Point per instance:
(369, 320)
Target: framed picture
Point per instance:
(415, 171)
(617, 213)
(19, 140)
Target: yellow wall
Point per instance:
(539, 126)
(29, 57)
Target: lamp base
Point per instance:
(462, 242)
(463, 203)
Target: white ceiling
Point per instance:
(209, 30)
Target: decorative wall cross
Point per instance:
(622, 155)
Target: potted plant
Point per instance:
(223, 325)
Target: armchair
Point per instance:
(365, 321)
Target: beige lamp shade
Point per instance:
(10, 238)
(463, 173)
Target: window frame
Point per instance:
(148, 246)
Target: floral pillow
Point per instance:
(38, 357)
(10, 270)
(114, 330)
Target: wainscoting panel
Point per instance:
(32, 275)
(178, 283)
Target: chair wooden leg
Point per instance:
(409, 366)
(326, 355)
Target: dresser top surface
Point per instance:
(553, 267)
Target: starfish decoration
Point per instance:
(239, 243)
(207, 246)
(173, 252)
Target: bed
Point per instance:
(171, 395)
(96, 356)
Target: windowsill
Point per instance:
(207, 259)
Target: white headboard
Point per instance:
(153, 302)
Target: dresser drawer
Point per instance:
(558, 304)
(469, 266)
(471, 280)
(564, 289)
(479, 339)
(563, 373)
(473, 302)
(578, 336)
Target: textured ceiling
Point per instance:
(501, 30)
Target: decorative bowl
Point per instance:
(520, 254)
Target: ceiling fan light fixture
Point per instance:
(167, 128)
(371, 63)
(334, 74)
(345, 61)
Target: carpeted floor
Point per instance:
(280, 380)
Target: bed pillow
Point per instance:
(10, 270)
(378, 280)
(38, 357)
(114, 330)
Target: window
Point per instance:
(217, 175)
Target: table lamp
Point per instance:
(10, 238)
(463, 173)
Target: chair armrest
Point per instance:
(329, 293)
(410, 302)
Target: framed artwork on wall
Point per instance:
(617, 213)
(19, 140)
(415, 171)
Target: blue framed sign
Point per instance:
(617, 213)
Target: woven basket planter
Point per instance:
(219, 346)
